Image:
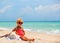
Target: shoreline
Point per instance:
(53, 32)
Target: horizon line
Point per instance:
(31, 21)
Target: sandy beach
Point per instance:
(39, 37)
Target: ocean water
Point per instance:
(47, 27)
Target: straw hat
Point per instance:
(19, 20)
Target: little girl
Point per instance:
(18, 30)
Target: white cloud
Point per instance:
(27, 9)
(42, 8)
(5, 8)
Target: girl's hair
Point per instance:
(19, 20)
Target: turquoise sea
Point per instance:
(48, 27)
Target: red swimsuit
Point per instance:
(20, 32)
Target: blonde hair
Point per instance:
(19, 20)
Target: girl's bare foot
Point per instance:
(32, 39)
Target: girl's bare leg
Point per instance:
(27, 39)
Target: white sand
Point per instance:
(39, 37)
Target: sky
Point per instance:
(30, 10)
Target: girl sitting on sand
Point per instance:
(20, 31)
